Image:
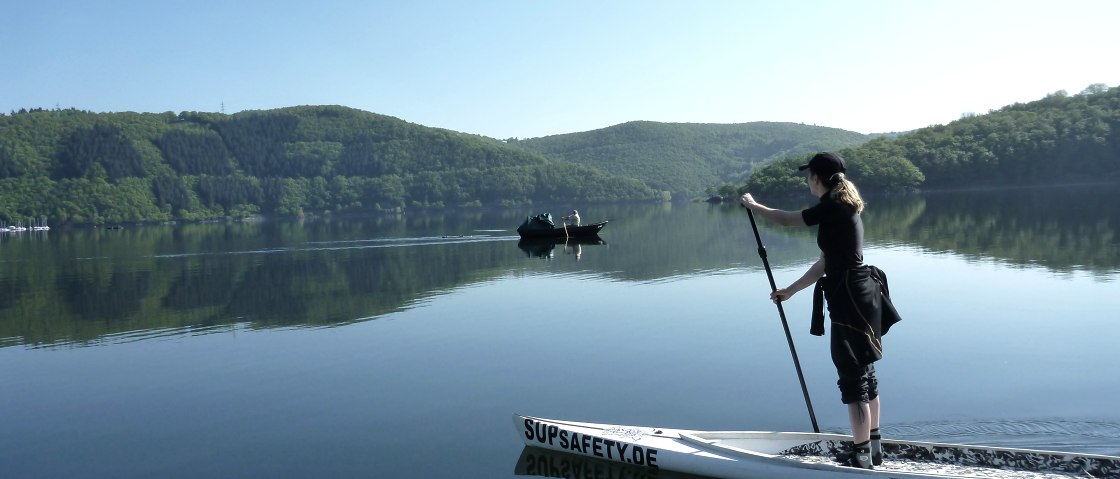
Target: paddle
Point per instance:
(785, 324)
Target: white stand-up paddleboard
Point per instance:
(793, 455)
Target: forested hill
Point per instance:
(1058, 139)
(77, 166)
(689, 158)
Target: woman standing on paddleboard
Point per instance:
(854, 293)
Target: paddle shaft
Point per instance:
(785, 324)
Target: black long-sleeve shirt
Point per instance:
(840, 236)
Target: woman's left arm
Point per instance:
(809, 278)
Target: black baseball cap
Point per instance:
(825, 165)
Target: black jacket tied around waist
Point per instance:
(859, 302)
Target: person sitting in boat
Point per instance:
(572, 219)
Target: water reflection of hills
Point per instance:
(1060, 228)
(78, 286)
(82, 286)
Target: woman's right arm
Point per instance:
(781, 217)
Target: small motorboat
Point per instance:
(542, 226)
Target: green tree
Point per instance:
(102, 144)
(195, 153)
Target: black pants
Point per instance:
(857, 384)
(855, 306)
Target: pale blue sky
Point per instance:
(534, 68)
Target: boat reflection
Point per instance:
(547, 463)
(545, 247)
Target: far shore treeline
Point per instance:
(71, 166)
(80, 167)
(1058, 139)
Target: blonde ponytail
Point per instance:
(844, 191)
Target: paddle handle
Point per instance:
(785, 324)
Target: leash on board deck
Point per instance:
(785, 324)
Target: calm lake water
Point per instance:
(389, 346)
